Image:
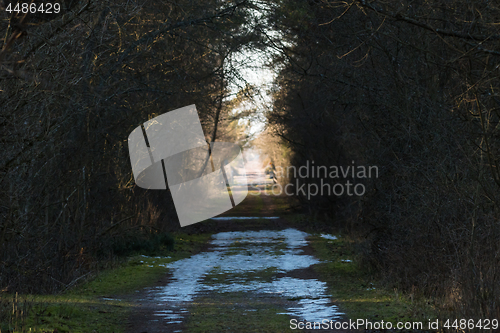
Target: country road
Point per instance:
(247, 272)
(248, 279)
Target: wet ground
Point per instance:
(254, 274)
(266, 264)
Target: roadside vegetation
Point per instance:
(359, 290)
(103, 301)
(412, 88)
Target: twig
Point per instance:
(115, 224)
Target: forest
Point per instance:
(408, 87)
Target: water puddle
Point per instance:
(247, 262)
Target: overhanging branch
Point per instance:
(442, 32)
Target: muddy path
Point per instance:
(254, 275)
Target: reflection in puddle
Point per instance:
(248, 252)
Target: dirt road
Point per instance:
(245, 281)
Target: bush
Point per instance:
(146, 244)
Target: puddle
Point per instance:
(237, 254)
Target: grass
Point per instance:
(95, 305)
(240, 246)
(64, 313)
(281, 203)
(217, 277)
(141, 271)
(236, 312)
(357, 291)
(252, 205)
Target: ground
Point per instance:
(237, 291)
(225, 276)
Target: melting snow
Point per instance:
(255, 251)
(326, 236)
